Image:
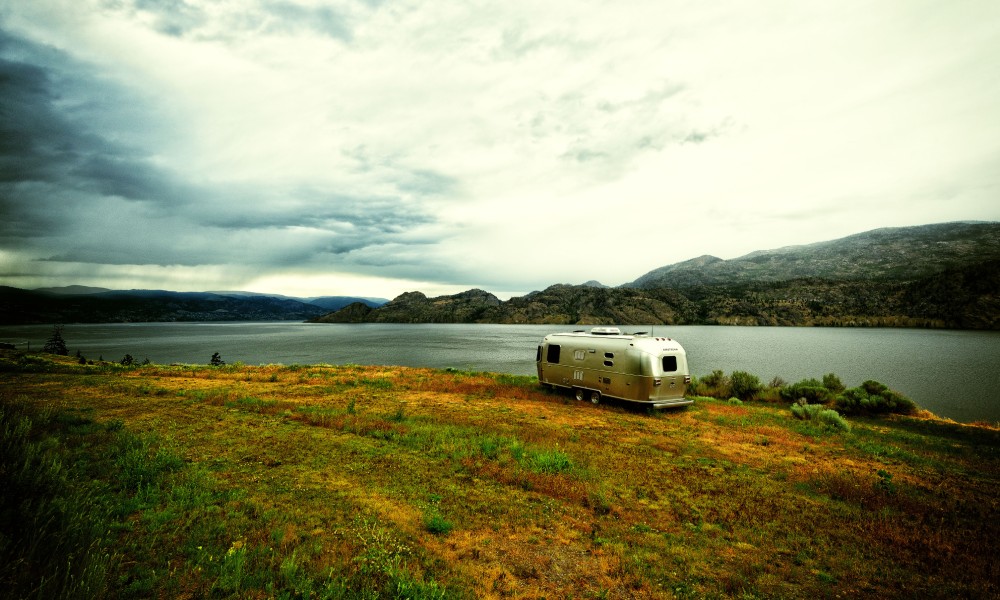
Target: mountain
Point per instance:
(471, 306)
(945, 275)
(72, 290)
(19, 306)
(891, 254)
(327, 302)
(338, 302)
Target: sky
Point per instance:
(370, 148)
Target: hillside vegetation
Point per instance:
(361, 482)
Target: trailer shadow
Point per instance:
(607, 402)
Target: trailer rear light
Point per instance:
(657, 382)
(687, 379)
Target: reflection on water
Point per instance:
(955, 374)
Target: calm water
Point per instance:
(954, 374)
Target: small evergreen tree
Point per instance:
(56, 344)
(217, 360)
(127, 360)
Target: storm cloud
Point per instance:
(78, 186)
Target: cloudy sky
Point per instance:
(309, 147)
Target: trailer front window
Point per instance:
(669, 364)
(552, 355)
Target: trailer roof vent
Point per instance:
(606, 331)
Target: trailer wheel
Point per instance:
(579, 394)
(595, 397)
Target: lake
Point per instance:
(955, 374)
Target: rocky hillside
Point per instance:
(896, 254)
(472, 306)
(934, 276)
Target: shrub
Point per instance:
(812, 390)
(735, 401)
(715, 384)
(832, 419)
(437, 524)
(828, 418)
(744, 386)
(833, 383)
(216, 360)
(127, 360)
(872, 397)
(805, 411)
(549, 461)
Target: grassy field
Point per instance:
(369, 482)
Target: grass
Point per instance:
(318, 481)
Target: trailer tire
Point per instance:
(579, 394)
(595, 397)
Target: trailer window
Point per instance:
(538, 355)
(669, 364)
(552, 355)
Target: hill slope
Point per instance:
(967, 298)
(901, 253)
(390, 482)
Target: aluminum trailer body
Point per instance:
(605, 362)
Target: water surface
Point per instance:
(955, 374)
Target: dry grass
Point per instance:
(322, 481)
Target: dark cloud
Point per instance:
(178, 18)
(71, 190)
(288, 17)
(47, 131)
(173, 17)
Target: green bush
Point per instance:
(437, 524)
(812, 390)
(826, 417)
(806, 412)
(549, 461)
(832, 419)
(833, 383)
(715, 384)
(872, 397)
(744, 386)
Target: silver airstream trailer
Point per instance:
(605, 362)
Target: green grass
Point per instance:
(367, 482)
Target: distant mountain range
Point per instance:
(79, 304)
(943, 275)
